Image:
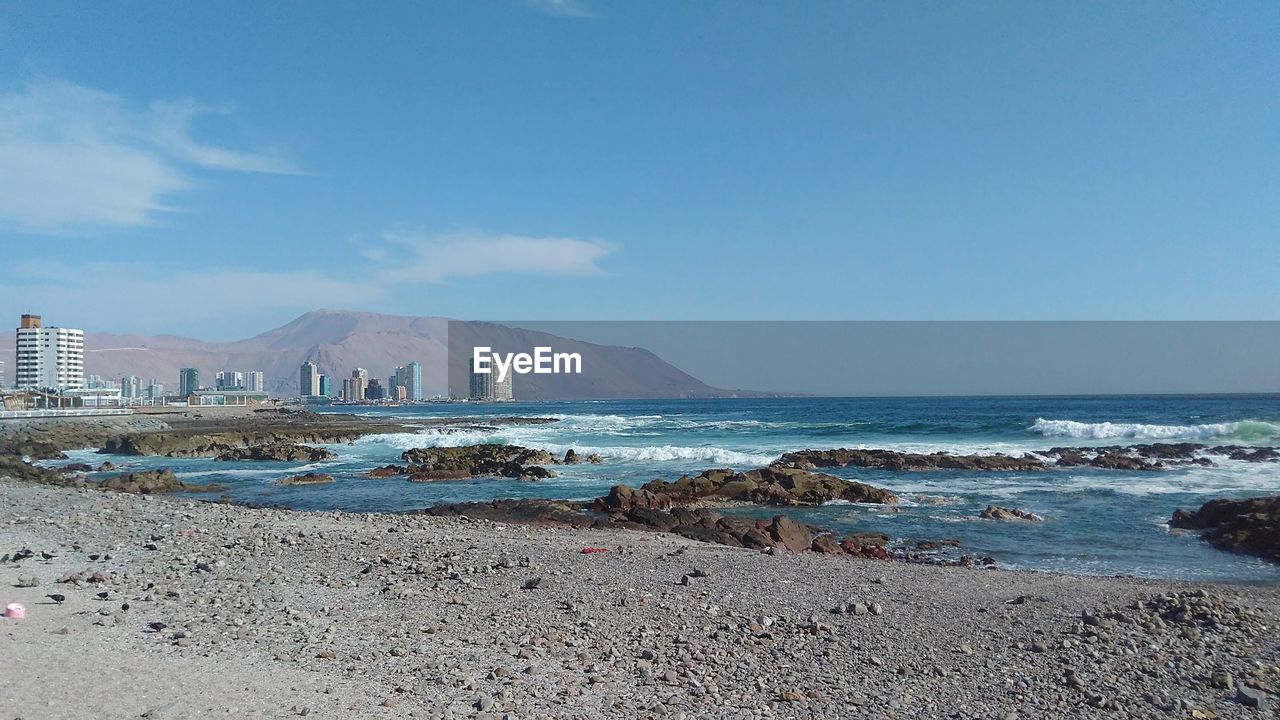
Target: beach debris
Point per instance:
(532, 583)
(15, 611)
(589, 550)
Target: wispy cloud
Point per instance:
(155, 296)
(183, 301)
(420, 256)
(74, 158)
(562, 8)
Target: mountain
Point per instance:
(339, 341)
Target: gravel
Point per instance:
(176, 609)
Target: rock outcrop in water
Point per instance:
(149, 482)
(995, 512)
(311, 478)
(1249, 526)
(270, 445)
(1145, 457)
(284, 452)
(456, 463)
(680, 508)
(773, 485)
(899, 461)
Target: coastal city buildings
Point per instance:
(485, 387)
(2, 384)
(155, 391)
(309, 380)
(354, 388)
(188, 381)
(229, 380)
(130, 387)
(408, 377)
(48, 357)
(404, 385)
(255, 381)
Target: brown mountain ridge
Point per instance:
(339, 341)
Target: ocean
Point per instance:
(1097, 521)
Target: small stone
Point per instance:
(1251, 697)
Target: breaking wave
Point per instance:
(1243, 430)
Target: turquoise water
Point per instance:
(1098, 521)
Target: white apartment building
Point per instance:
(255, 381)
(48, 357)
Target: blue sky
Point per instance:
(216, 170)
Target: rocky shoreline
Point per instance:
(172, 609)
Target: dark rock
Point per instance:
(1251, 697)
(14, 467)
(284, 452)
(622, 498)
(1120, 461)
(789, 534)
(149, 482)
(827, 545)
(995, 512)
(773, 485)
(899, 461)
(1245, 526)
(311, 478)
(387, 471)
(232, 444)
(453, 463)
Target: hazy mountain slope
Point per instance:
(339, 341)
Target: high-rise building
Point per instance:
(309, 380)
(229, 380)
(359, 383)
(2, 385)
(130, 387)
(374, 391)
(326, 387)
(502, 390)
(188, 381)
(255, 381)
(48, 357)
(155, 391)
(485, 386)
(409, 377)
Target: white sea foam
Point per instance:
(1242, 430)
(647, 453)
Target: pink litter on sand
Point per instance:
(592, 550)
(15, 611)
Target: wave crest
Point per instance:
(1241, 430)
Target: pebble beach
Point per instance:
(176, 609)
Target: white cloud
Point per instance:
(562, 8)
(74, 158)
(423, 257)
(156, 297)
